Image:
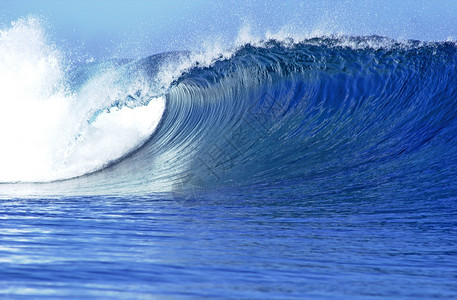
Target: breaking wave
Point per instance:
(320, 114)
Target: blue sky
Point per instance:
(139, 28)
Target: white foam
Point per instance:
(44, 129)
(114, 134)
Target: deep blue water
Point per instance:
(319, 169)
(264, 246)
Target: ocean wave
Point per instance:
(317, 113)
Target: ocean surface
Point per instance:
(319, 168)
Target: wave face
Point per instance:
(324, 115)
(317, 115)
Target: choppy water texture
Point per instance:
(325, 168)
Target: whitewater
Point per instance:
(284, 166)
